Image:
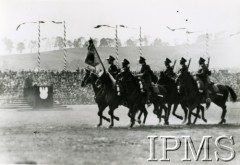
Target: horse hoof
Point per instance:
(222, 121)
(205, 120)
(142, 125)
(139, 122)
(188, 123)
(99, 125)
(180, 117)
(108, 119)
(166, 123)
(110, 126)
(117, 118)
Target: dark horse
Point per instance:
(103, 96)
(193, 98)
(173, 97)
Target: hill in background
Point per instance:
(223, 53)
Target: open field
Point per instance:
(70, 136)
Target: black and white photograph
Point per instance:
(120, 82)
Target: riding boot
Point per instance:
(208, 100)
(148, 98)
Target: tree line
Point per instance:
(58, 43)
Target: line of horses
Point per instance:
(135, 100)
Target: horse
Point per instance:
(174, 98)
(92, 78)
(157, 99)
(220, 98)
(190, 94)
(193, 96)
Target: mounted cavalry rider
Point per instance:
(184, 67)
(112, 69)
(182, 70)
(125, 74)
(169, 69)
(146, 75)
(203, 80)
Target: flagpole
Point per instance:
(38, 57)
(140, 41)
(116, 37)
(64, 49)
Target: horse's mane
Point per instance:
(192, 79)
(95, 76)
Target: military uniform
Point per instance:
(112, 69)
(124, 75)
(184, 67)
(146, 74)
(169, 69)
(203, 79)
(203, 74)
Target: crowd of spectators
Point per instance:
(67, 85)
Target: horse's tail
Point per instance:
(232, 93)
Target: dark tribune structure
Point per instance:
(119, 82)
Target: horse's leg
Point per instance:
(139, 117)
(110, 112)
(169, 110)
(190, 115)
(203, 114)
(101, 108)
(185, 110)
(133, 113)
(174, 111)
(144, 110)
(166, 114)
(197, 113)
(223, 120)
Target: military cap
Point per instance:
(111, 58)
(125, 61)
(141, 58)
(201, 60)
(183, 60)
(167, 61)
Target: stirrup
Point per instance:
(208, 100)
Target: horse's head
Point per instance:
(89, 78)
(104, 78)
(164, 79)
(86, 78)
(186, 80)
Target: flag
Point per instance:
(56, 22)
(92, 57)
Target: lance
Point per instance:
(189, 62)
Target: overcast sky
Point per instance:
(153, 15)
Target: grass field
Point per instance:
(70, 136)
